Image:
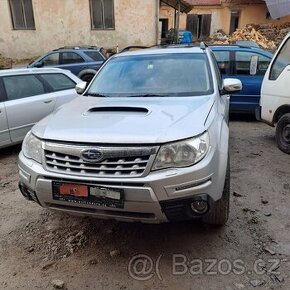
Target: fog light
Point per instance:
(199, 206)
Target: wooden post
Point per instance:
(177, 22)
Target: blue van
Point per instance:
(249, 65)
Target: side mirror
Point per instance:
(81, 87)
(38, 64)
(232, 85)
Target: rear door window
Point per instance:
(51, 60)
(281, 62)
(223, 61)
(22, 86)
(96, 56)
(58, 81)
(71, 57)
(243, 63)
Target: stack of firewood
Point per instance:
(251, 34)
(268, 36)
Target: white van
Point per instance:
(275, 96)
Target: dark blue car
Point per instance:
(84, 62)
(248, 64)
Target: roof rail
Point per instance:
(203, 46)
(77, 47)
(177, 45)
(234, 44)
(133, 47)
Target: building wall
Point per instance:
(257, 15)
(221, 16)
(67, 22)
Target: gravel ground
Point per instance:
(45, 250)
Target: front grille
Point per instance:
(116, 162)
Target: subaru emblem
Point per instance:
(92, 155)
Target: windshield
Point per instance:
(153, 75)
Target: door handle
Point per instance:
(47, 101)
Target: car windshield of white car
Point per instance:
(158, 75)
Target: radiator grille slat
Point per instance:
(70, 164)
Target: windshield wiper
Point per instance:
(127, 96)
(147, 95)
(96, 95)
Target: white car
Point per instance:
(275, 96)
(28, 95)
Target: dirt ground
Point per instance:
(46, 250)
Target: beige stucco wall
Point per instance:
(167, 12)
(221, 16)
(67, 22)
(257, 15)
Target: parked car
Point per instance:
(249, 65)
(27, 96)
(147, 141)
(84, 62)
(275, 97)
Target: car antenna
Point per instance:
(203, 46)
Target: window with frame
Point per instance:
(243, 63)
(22, 86)
(281, 61)
(223, 61)
(51, 60)
(218, 71)
(102, 14)
(96, 56)
(22, 14)
(58, 81)
(71, 57)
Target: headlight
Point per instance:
(183, 153)
(32, 147)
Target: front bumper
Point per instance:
(258, 115)
(149, 199)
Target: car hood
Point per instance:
(126, 120)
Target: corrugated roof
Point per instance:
(278, 8)
(185, 6)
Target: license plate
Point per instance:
(85, 194)
(105, 193)
(75, 190)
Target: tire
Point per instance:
(283, 133)
(87, 77)
(219, 214)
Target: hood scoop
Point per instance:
(136, 110)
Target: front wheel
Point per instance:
(219, 214)
(283, 133)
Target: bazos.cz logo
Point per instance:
(142, 267)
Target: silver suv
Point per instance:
(147, 141)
